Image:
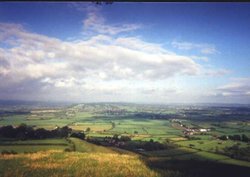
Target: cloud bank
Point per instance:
(31, 61)
(237, 87)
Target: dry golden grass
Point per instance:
(58, 163)
(31, 156)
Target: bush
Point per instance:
(78, 135)
(245, 138)
(191, 145)
(223, 137)
(67, 150)
(8, 152)
(5, 152)
(13, 152)
(125, 138)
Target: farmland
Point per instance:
(189, 134)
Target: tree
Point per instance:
(125, 138)
(23, 131)
(8, 131)
(88, 129)
(244, 138)
(236, 137)
(79, 135)
(223, 137)
(64, 131)
(230, 137)
(41, 133)
(115, 137)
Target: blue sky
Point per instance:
(135, 52)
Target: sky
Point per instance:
(125, 52)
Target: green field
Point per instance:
(34, 145)
(210, 145)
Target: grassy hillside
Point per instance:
(58, 163)
(91, 161)
(83, 146)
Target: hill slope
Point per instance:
(93, 161)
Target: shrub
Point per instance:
(67, 150)
(5, 152)
(8, 152)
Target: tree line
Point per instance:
(24, 132)
(125, 142)
(242, 137)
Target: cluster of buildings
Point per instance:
(190, 131)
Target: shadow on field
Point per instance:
(196, 168)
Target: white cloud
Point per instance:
(203, 48)
(95, 22)
(237, 87)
